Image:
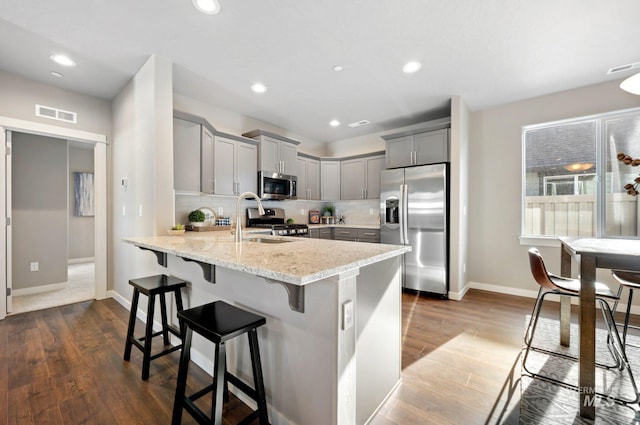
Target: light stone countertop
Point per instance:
(299, 262)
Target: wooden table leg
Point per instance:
(565, 302)
(587, 376)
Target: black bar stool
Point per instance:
(219, 322)
(152, 286)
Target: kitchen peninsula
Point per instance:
(331, 348)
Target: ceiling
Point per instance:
(489, 52)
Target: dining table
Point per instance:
(592, 254)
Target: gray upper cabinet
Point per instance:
(308, 174)
(186, 153)
(206, 162)
(277, 154)
(352, 179)
(234, 165)
(417, 149)
(330, 180)
(360, 177)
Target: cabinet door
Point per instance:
(313, 178)
(326, 233)
(432, 147)
(369, 235)
(303, 191)
(186, 153)
(374, 165)
(345, 234)
(207, 176)
(269, 155)
(246, 167)
(352, 179)
(399, 152)
(314, 233)
(224, 166)
(289, 158)
(330, 180)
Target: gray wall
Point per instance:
(81, 229)
(39, 205)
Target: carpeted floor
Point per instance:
(543, 402)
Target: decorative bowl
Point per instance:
(174, 232)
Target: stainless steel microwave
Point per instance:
(276, 186)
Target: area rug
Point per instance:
(543, 402)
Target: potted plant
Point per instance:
(329, 210)
(196, 218)
(177, 230)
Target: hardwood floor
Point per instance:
(64, 366)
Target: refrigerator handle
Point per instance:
(401, 214)
(405, 213)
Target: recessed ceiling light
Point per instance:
(63, 60)
(338, 68)
(209, 7)
(411, 67)
(259, 88)
(334, 123)
(56, 74)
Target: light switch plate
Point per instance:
(347, 315)
(220, 211)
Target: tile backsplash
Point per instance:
(363, 212)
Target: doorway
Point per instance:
(98, 143)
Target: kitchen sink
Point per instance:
(266, 240)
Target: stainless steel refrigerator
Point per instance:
(414, 211)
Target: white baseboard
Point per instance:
(81, 260)
(622, 306)
(38, 289)
(457, 296)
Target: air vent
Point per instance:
(56, 114)
(623, 68)
(359, 123)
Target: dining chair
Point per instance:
(631, 281)
(552, 284)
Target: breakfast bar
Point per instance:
(331, 347)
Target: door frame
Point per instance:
(100, 181)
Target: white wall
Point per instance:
(495, 166)
(142, 154)
(459, 198)
(233, 123)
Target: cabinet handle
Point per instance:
(369, 234)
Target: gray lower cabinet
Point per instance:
(356, 235)
(323, 233)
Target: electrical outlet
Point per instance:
(140, 210)
(301, 211)
(124, 211)
(35, 267)
(347, 315)
(220, 211)
(370, 211)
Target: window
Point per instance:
(573, 183)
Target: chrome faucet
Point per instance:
(245, 195)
